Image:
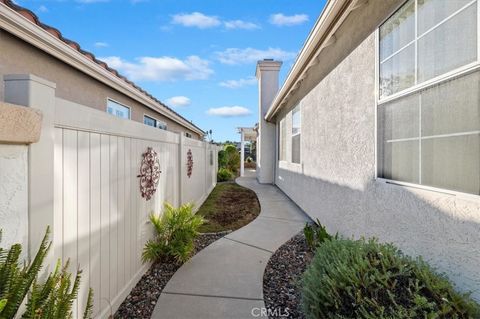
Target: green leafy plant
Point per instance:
(232, 158)
(51, 298)
(175, 232)
(222, 159)
(249, 160)
(366, 279)
(316, 234)
(224, 175)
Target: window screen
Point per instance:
(296, 135)
(432, 135)
(418, 46)
(147, 120)
(118, 109)
(283, 141)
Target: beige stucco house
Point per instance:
(29, 46)
(376, 129)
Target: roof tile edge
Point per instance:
(33, 18)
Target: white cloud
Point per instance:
(279, 19)
(235, 84)
(229, 111)
(249, 55)
(162, 68)
(42, 9)
(240, 24)
(179, 101)
(101, 44)
(196, 19)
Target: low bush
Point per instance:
(175, 232)
(315, 234)
(249, 160)
(49, 298)
(366, 279)
(224, 175)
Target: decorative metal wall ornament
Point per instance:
(149, 173)
(189, 163)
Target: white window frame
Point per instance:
(456, 73)
(164, 123)
(293, 135)
(157, 121)
(122, 104)
(282, 122)
(146, 115)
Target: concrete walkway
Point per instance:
(225, 280)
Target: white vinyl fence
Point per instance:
(99, 219)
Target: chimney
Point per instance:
(267, 75)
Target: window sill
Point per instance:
(461, 195)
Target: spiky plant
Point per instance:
(175, 232)
(52, 298)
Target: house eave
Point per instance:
(19, 26)
(321, 36)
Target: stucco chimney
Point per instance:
(267, 75)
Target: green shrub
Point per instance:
(232, 158)
(365, 279)
(52, 298)
(224, 175)
(249, 160)
(315, 234)
(175, 232)
(222, 159)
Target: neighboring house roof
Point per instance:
(321, 36)
(90, 58)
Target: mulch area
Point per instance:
(229, 207)
(143, 297)
(282, 275)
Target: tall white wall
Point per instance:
(267, 75)
(335, 181)
(98, 218)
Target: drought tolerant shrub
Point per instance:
(222, 159)
(175, 232)
(366, 279)
(52, 298)
(232, 158)
(315, 234)
(224, 175)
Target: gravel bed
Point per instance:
(143, 297)
(281, 291)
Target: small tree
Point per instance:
(232, 158)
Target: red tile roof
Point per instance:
(32, 17)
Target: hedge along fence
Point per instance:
(83, 182)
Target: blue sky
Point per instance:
(197, 56)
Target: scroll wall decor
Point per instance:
(189, 163)
(149, 173)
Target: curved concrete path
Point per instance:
(225, 280)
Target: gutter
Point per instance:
(21, 27)
(321, 36)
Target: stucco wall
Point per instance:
(336, 180)
(13, 194)
(18, 57)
